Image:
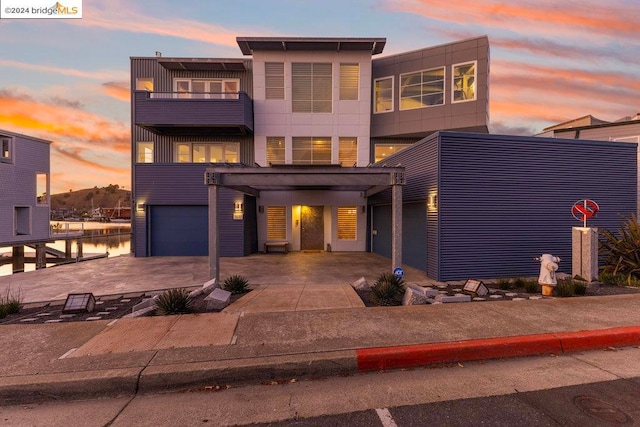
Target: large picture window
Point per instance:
(422, 89)
(349, 82)
(311, 151)
(204, 152)
(464, 82)
(382, 151)
(311, 87)
(348, 151)
(383, 95)
(274, 80)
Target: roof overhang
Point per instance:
(203, 64)
(252, 180)
(248, 45)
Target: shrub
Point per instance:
(387, 290)
(565, 288)
(519, 282)
(532, 286)
(619, 279)
(174, 301)
(3, 311)
(11, 302)
(622, 250)
(236, 284)
(579, 288)
(504, 283)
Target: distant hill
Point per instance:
(88, 198)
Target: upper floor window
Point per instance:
(464, 82)
(422, 89)
(383, 95)
(144, 83)
(382, 151)
(274, 80)
(348, 151)
(349, 81)
(311, 87)
(42, 189)
(275, 150)
(144, 152)
(311, 151)
(207, 88)
(203, 152)
(6, 145)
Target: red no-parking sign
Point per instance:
(582, 210)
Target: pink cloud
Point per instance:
(95, 75)
(117, 90)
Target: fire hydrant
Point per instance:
(548, 267)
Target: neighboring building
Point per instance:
(626, 129)
(299, 102)
(25, 194)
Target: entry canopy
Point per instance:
(252, 180)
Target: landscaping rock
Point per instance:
(146, 303)
(453, 298)
(218, 299)
(361, 285)
(427, 292)
(209, 286)
(413, 297)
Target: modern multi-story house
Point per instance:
(297, 101)
(24, 198)
(319, 143)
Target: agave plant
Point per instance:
(622, 250)
(386, 290)
(236, 284)
(174, 301)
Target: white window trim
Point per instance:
(393, 98)
(225, 95)
(191, 143)
(475, 82)
(625, 138)
(444, 89)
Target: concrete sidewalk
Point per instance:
(202, 351)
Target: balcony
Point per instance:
(194, 114)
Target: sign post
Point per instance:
(584, 241)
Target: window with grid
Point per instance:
(348, 151)
(347, 222)
(311, 87)
(349, 81)
(274, 80)
(275, 150)
(422, 89)
(308, 150)
(464, 82)
(383, 95)
(203, 152)
(276, 223)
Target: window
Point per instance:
(207, 89)
(382, 151)
(349, 81)
(347, 222)
(276, 222)
(144, 83)
(144, 152)
(311, 151)
(203, 152)
(311, 86)
(22, 220)
(7, 149)
(348, 151)
(383, 95)
(464, 82)
(42, 186)
(274, 80)
(275, 150)
(627, 139)
(422, 89)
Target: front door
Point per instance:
(312, 228)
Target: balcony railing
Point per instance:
(191, 113)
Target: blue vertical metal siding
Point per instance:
(504, 200)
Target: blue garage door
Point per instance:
(414, 233)
(179, 231)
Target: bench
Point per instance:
(284, 245)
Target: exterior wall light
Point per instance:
(140, 207)
(238, 213)
(432, 201)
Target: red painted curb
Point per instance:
(374, 359)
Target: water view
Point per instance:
(97, 239)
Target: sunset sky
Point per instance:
(66, 80)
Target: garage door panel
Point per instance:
(179, 231)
